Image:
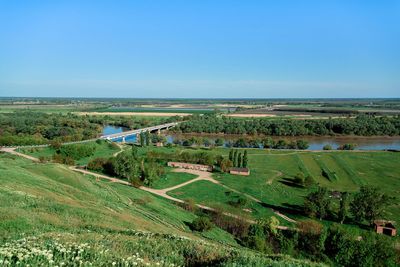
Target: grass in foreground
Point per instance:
(59, 216)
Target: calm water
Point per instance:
(315, 143)
(110, 129)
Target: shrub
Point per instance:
(327, 147)
(201, 224)
(189, 205)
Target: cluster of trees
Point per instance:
(28, 128)
(235, 156)
(131, 166)
(363, 125)
(333, 245)
(366, 205)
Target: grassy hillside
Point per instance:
(61, 216)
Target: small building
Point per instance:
(239, 171)
(385, 227)
(159, 144)
(190, 166)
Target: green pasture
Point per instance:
(172, 178)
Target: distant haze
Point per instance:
(191, 49)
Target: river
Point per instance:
(315, 143)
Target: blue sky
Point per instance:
(228, 49)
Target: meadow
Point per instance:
(60, 217)
(273, 171)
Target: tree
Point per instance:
(206, 142)
(134, 152)
(343, 209)
(239, 160)
(245, 159)
(202, 224)
(219, 142)
(147, 134)
(302, 144)
(317, 204)
(327, 147)
(368, 204)
(231, 155)
(235, 155)
(226, 164)
(142, 139)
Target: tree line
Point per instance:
(362, 125)
(35, 128)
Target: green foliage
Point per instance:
(361, 125)
(245, 159)
(343, 209)
(202, 224)
(347, 147)
(327, 147)
(77, 151)
(368, 204)
(219, 142)
(317, 203)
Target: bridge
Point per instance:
(136, 132)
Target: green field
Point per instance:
(271, 172)
(172, 178)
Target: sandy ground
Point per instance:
(149, 114)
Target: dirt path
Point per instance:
(11, 150)
(121, 149)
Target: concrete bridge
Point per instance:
(136, 132)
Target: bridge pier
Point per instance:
(123, 139)
(159, 131)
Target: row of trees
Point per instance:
(366, 205)
(235, 156)
(363, 125)
(243, 143)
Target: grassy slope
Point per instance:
(54, 208)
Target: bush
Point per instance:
(347, 147)
(201, 224)
(189, 205)
(327, 147)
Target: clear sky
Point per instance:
(201, 48)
